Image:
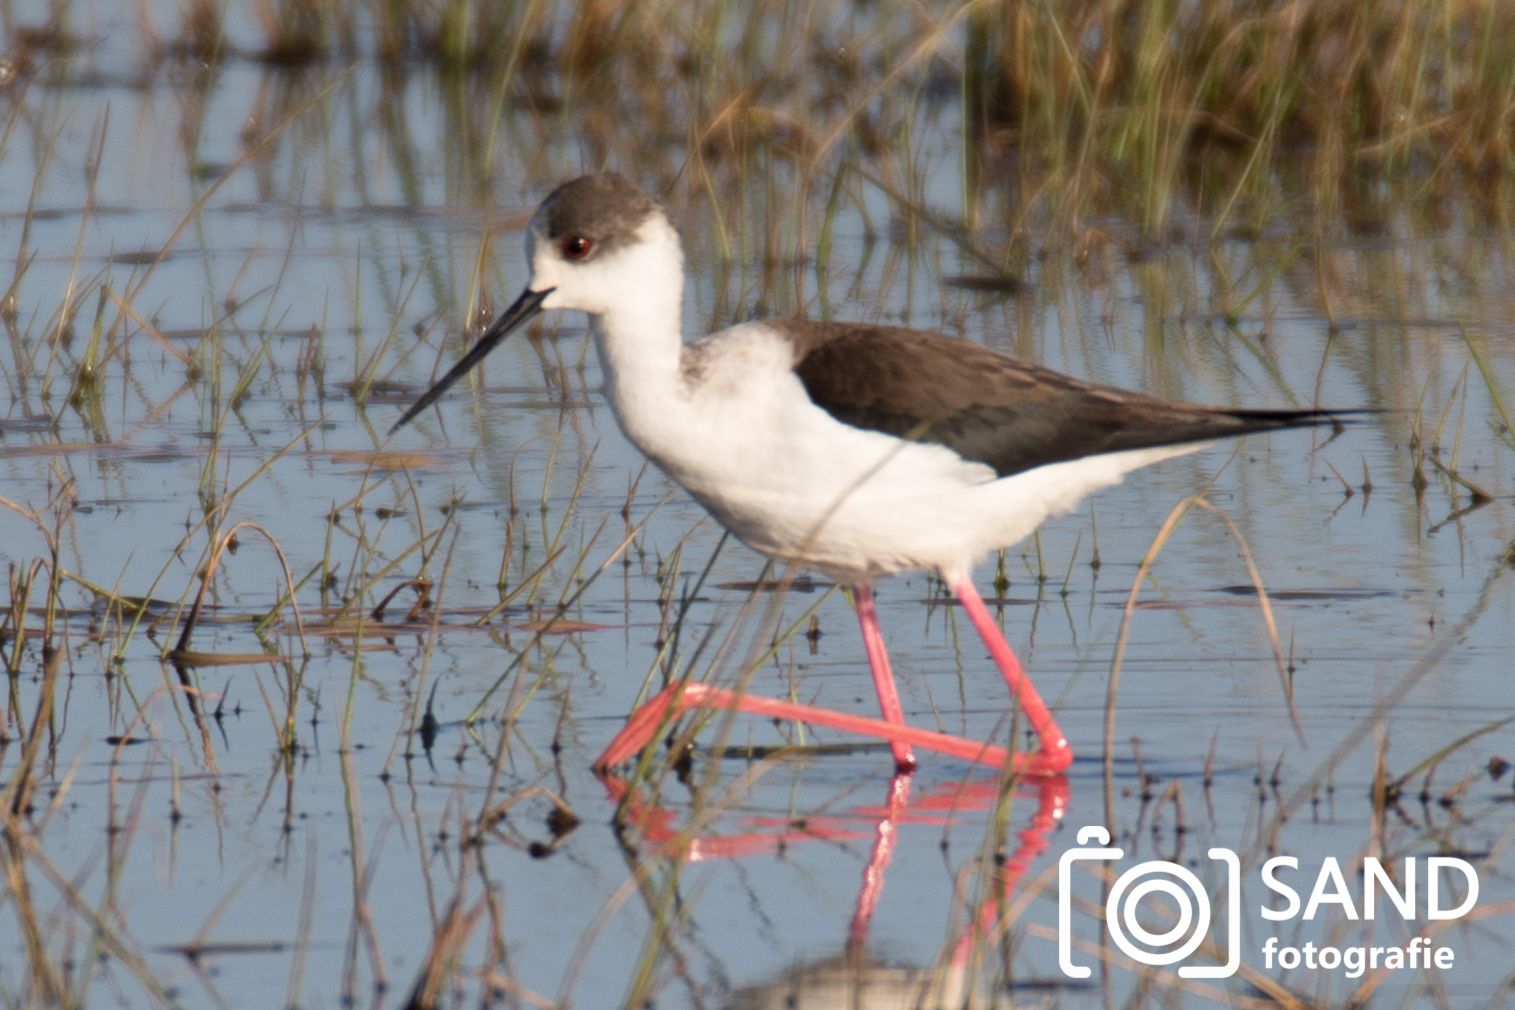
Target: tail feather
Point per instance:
(1235, 422)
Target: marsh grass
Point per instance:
(1072, 114)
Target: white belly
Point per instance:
(794, 483)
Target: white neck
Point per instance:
(637, 323)
(638, 333)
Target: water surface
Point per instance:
(261, 359)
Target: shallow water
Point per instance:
(333, 273)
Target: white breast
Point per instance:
(738, 431)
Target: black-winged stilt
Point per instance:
(856, 450)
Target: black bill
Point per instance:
(519, 313)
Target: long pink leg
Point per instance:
(1053, 757)
(883, 677)
(1054, 754)
(671, 701)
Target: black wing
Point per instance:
(994, 409)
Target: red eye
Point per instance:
(576, 247)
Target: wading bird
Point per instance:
(856, 450)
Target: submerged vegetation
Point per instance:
(295, 710)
